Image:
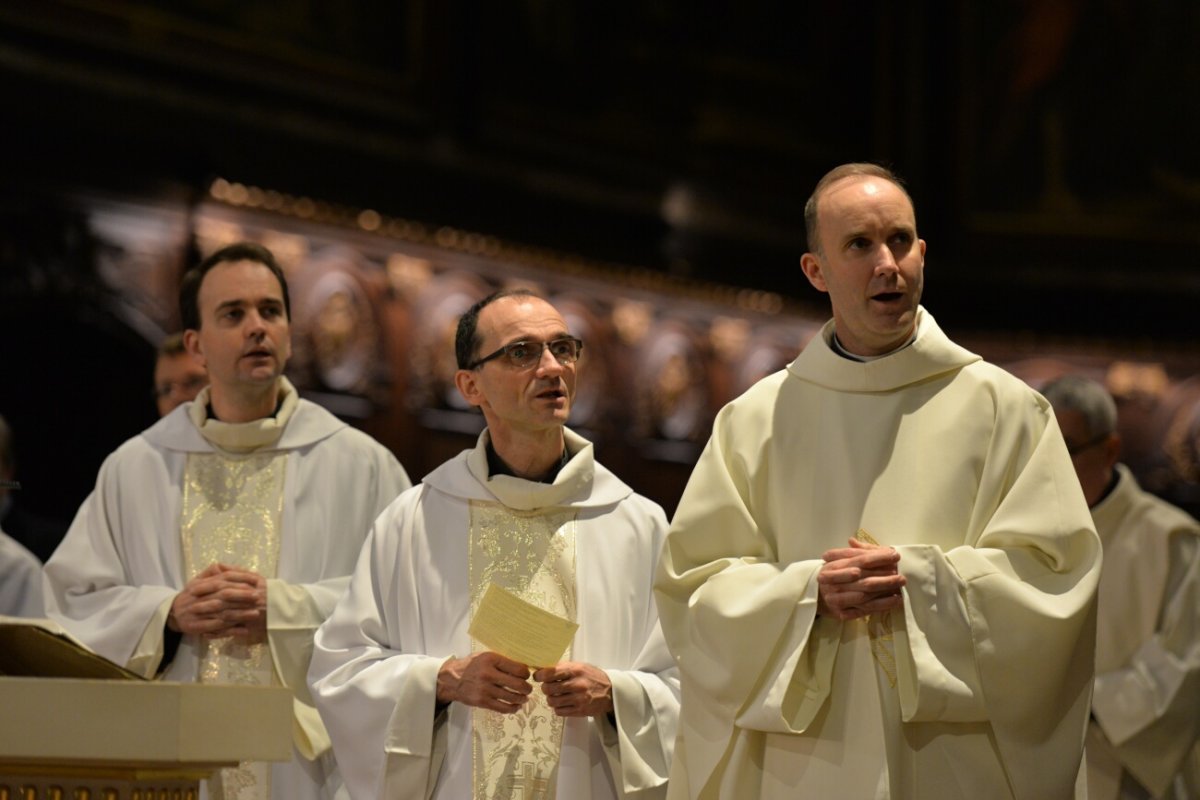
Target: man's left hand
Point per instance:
(247, 618)
(575, 689)
(859, 580)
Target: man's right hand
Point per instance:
(484, 680)
(859, 580)
(220, 601)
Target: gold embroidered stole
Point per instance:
(232, 509)
(532, 554)
(879, 626)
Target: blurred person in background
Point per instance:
(1142, 739)
(178, 377)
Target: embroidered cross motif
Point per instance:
(529, 786)
(879, 627)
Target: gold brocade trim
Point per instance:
(879, 627)
(232, 512)
(531, 554)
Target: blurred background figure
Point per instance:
(1142, 740)
(34, 533)
(20, 580)
(178, 378)
(20, 570)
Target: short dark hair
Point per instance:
(172, 346)
(856, 169)
(189, 289)
(466, 338)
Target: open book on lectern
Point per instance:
(40, 648)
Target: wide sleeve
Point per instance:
(366, 478)
(378, 701)
(86, 583)
(1150, 707)
(296, 610)
(646, 709)
(20, 580)
(640, 746)
(1003, 629)
(742, 626)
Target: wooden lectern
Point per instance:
(67, 739)
(97, 739)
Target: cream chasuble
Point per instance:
(532, 554)
(979, 686)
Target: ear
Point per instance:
(468, 387)
(811, 265)
(191, 343)
(921, 242)
(1112, 450)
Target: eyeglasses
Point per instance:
(523, 355)
(191, 386)
(1075, 449)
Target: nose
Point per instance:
(548, 364)
(885, 262)
(255, 325)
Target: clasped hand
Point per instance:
(222, 601)
(489, 680)
(859, 580)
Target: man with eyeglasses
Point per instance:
(178, 378)
(416, 706)
(1142, 740)
(880, 579)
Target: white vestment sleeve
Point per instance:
(1150, 708)
(292, 618)
(977, 616)
(740, 624)
(86, 586)
(378, 702)
(646, 707)
(147, 656)
(20, 580)
(296, 610)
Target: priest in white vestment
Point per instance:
(880, 580)
(1142, 741)
(20, 580)
(218, 540)
(417, 707)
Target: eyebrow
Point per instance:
(553, 337)
(240, 301)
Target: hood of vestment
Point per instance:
(581, 483)
(308, 424)
(931, 354)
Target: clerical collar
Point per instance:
(1113, 480)
(243, 437)
(496, 466)
(836, 346)
(209, 413)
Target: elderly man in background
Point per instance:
(1142, 740)
(178, 377)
